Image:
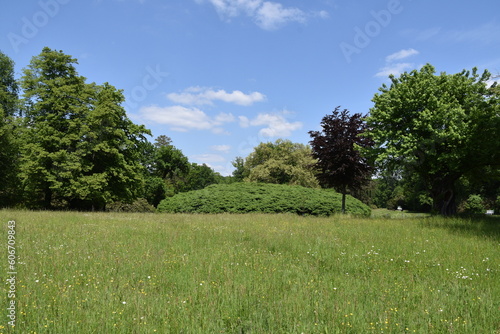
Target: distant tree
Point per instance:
(169, 161)
(199, 177)
(9, 149)
(437, 127)
(336, 148)
(239, 172)
(162, 141)
(385, 182)
(167, 169)
(155, 190)
(281, 162)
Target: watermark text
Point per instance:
(11, 273)
(364, 35)
(31, 25)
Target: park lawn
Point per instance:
(253, 273)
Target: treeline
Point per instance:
(68, 144)
(430, 143)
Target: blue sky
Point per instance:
(221, 76)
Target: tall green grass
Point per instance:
(162, 273)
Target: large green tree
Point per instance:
(79, 148)
(9, 148)
(336, 147)
(438, 127)
(54, 105)
(109, 150)
(8, 87)
(281, 162)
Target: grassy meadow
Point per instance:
(254, 273)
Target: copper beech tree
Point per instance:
(340, 164)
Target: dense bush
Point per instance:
(474, 204)
(139, 205)
(260, 197)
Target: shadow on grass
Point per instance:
(483, 226)
(394, 214)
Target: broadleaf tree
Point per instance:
(55, 100)
(439, 127)
(166, 169)
(79, 148)
(281, 162)
(110, 153)
(336, 148)
(9, 148)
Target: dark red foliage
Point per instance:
(340, 164)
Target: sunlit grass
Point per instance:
(155, 273)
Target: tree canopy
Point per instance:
(80, 149)
(281, 162)
(8, 109)
(336, 147)
(437, 127)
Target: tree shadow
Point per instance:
(478, 225)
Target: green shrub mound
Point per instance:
(139, 205)
(261, 197)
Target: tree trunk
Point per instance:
(343, 202)
(444, 199)
(47, 198)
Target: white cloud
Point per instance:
(394, 69)
(244, 121)
(183, 119)
(224, 118)
(401, 55)
(233, 8)
(323, 14)
(492, 81)
(221, 148)
(217, 162)
(272, 15)
(276, 125)
(487, 33)
(422, 35)
(206, 96)
(268, 15)
(208, 158)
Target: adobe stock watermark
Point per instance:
(364, 35)
(150, 82)
(11, 273)
(31, 26)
